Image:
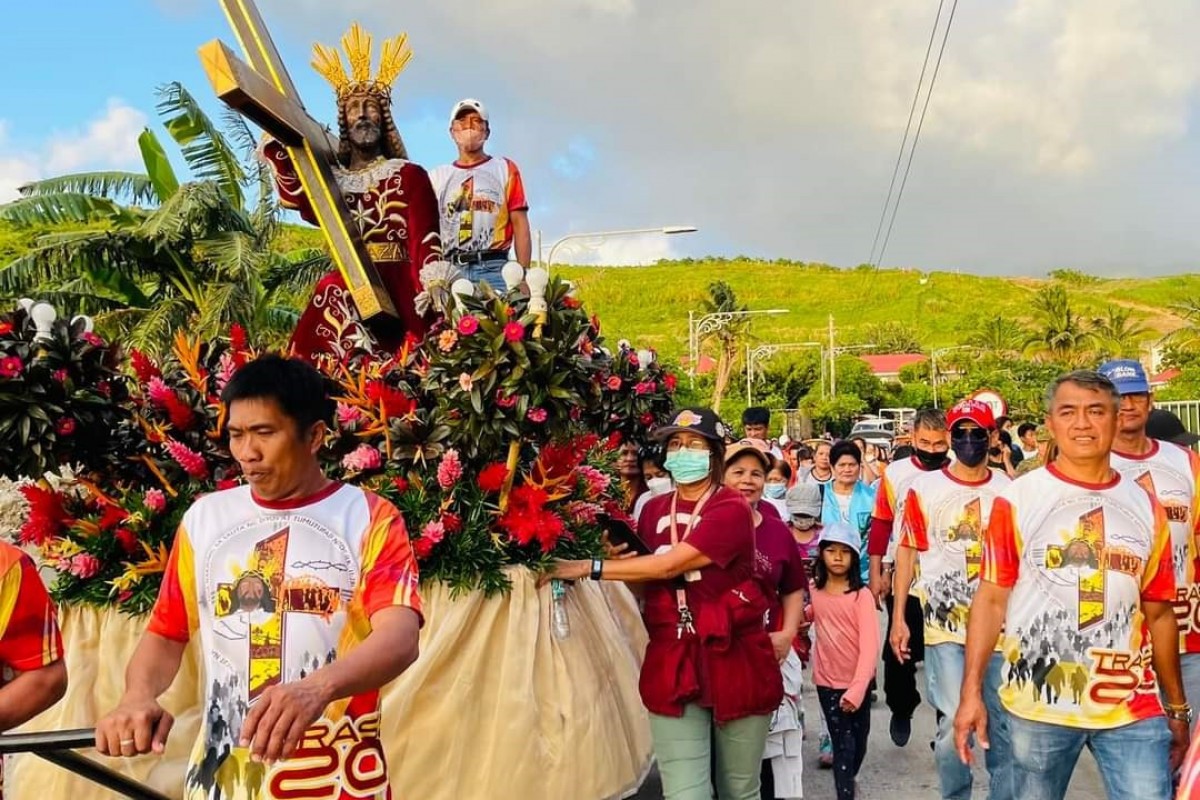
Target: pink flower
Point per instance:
(583, 513)
(92, 339)
(422, 548)
(447, 340)
(348, 416)
(645, 387)
(192, 462)
(514, 332)
(364, 458)
(84, 565)
(434, 531)
(633, 359)
(60, 375)
(450, 470)
(225, 369)
(537, 414)
(155, 501)
(465, 382)
(613, 382)
(505, 400)
(468, 325)
(65, 426)
(11, 367)
(670, 382)
(595, 482)
(159, 393)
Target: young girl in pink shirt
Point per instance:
(846, 651)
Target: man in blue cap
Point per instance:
(1171, 473)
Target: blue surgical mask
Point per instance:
(971, 452)
(689, 466)
(775, 491)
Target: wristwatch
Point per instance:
(597, 568)
(1181, 712)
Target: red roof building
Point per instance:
(887, 367)
(1163, 378)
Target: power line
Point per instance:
(917, 138)
(907, 127)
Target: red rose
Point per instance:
(65, 427)
(613, 382)
(423, 547)
(571, 303)
(401, 484)
(647, 419)
(670, 382)
(452, 522)
(6, 328)
(127, 539)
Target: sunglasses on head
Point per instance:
(970, 434)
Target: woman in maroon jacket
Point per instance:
(710, 676)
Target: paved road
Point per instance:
(897, 773)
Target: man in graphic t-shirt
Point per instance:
(941, 540)
(1077, 568)
(481, 199)
(30, 645)
(303, 592)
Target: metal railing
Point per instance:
(58, 747)
(1188, 411)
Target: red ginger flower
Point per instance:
(143, 367)
(180, 413)
(237, 337)
(192, 462)
(492, 477)
(47, 516)
(527, 519)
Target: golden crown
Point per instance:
(357, 46)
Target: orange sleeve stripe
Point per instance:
(1194, 463)
(1158, 579)
(885, 501)
(29, 637)
(389, 567)
(914, 531)
(1001, 546)
(176, 614)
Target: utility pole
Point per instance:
(832, 362)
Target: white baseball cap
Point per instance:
(841, 533)
(468, 104)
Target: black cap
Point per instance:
(756, 415)
(1166, 427)
(700, 421)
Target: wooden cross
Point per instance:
(263, 91)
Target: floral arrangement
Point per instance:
(495, 436)
(61, 394)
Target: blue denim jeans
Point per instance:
(490, 271)
(1189, 667)
(1133, 759)
(944, 665)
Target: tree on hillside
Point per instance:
(999, 335)
(1059, 333)
(156, 254)
(889, 337)
(729, 337)
(1189, 334)
(1118, 335)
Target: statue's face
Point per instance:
(364, 121)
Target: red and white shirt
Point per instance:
(277, 591)
(476, 202)
(944, 521)
(891, 495)
(1172, 474)
(1080, 559)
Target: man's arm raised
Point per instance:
(139, 724)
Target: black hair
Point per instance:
(1006, 438)
(653, 453)
(844, 448)
(300, 391)
(804, 453)
(1024, 428)
(931, 419)
(756, 415)
(821, 572)
(783, 466)
(1000, 420)
(902, 452)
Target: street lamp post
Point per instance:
(763, 351)
(711, 323)
(833, 354)
(667, 230)
(933, 369)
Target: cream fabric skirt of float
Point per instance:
(496, 706)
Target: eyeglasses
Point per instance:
(970, 434)
(695, 446)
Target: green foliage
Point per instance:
(888, 337)
(1073, 277)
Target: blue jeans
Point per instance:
(1189, 667)
(1133, 759)
(944, 665)
(489, 271)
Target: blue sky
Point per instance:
(1061, 132)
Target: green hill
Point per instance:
(649, 305)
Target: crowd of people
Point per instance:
(1053, 608)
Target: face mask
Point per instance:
(930, 460)
(775, 491)
(689, 466)
(803, 523)
(471, 139)
(970, 452)
(657, 486)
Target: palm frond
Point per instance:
(154, 331)
(63, 258)
(208, 153)
(59, 208)
(234, 256)
(128, 187)
(299, 275)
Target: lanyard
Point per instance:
(686, 621)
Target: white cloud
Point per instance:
(774, 127)
(622, 251)
(109, 141)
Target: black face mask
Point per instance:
(970, 452)
(930, 460)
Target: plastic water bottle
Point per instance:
(560, 623)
